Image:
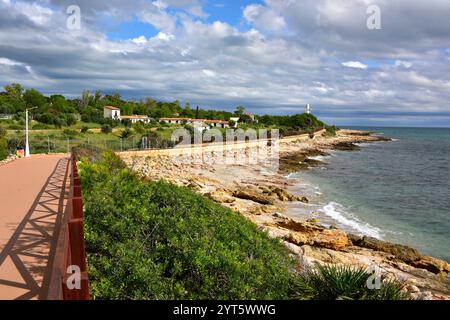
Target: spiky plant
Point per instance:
(338, 282)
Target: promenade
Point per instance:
(33, 196)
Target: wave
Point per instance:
(336, 211)
(319, 158)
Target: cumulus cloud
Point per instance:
(288, 54)
(354, 64)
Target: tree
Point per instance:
(34, 98)
(84, 101)
(240, 110)
(14, 91)
(245, 118)
(106, 128)
(14, 96)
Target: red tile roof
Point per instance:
(111, 108)
(194, 120)
(135, 117)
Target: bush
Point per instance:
(337, 282)
(70, 133)
(3, 149)
(106, 128)
(331, 131)
(154, 240)
(84, 129)
(2, 132)
(42, 126)
(127, 133)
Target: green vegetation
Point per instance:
(153, 240)
(336, 282)
(331, 131)
(56, 111)
(3, 144)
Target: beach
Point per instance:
(266, 197)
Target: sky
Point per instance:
(353, 65)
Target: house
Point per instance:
(196, 122)
(114, 113)
(136, 119)
(235, 120)
(111, 112)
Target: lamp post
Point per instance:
(27, 145)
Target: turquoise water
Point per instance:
(397, 191)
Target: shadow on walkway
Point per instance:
(30, 251)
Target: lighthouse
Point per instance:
(308, 109)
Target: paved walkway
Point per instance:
(32, 198)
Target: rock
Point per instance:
(404, 253)
(313, 162)
(427, 295)
(433, 265)
(346, 146)
(412, 288)
(259, 210)
(298, 239)
(253, 196)
(280, 216)
(307, 233)
(354, 238)
(221, 196)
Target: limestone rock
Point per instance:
(404, 253)
(221, 196)
(433, 265)
(250, 194)
(307, 233)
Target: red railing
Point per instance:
(69, 279)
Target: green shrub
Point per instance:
(336, 282)
(331, 131)
(126, 133)
(3, 149)
(70, 133)
(42, 126)
(3, 132)
(106, 128)
(154, 240)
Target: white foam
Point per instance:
(333, 209)
(318, 158)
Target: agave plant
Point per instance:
(339, 282)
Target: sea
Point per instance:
(397, 191)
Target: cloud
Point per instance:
(264, 18)
(354, 64)
(405, 64)
(284, 56)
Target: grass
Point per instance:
(52, 140)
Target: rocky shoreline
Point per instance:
(262, 197)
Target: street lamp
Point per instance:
(27, 146)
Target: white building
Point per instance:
(136, 119)
(196, 122)
(235, 120)
(114, 113)
(308, 109)
(111, 112)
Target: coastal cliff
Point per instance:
(263, 196)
